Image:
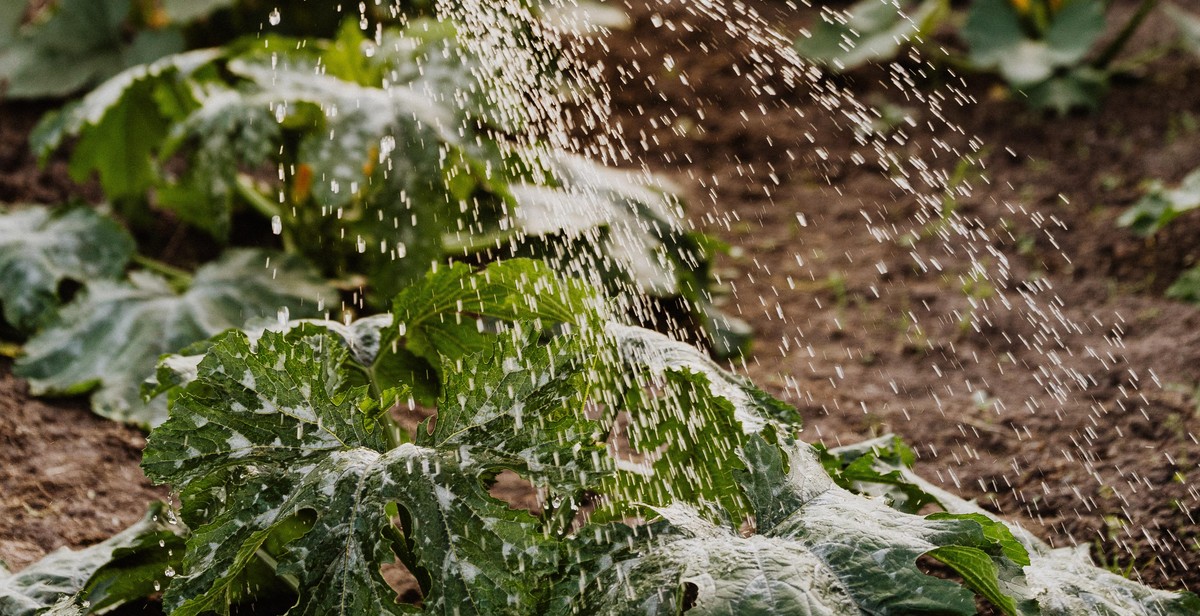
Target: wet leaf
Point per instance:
(109, 339)
(120, 125)
(119, 570)
(40, 248)
(818, 550)
(1055, 581)
(276, 424)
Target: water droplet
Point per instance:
(274, 17)
(170, 572)
(276, 224)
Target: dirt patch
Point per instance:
(67, 477)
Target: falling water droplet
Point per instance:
(170, 572)
(274, 17)
(283, 316)
(276, 224)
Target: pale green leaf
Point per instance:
(41, 247)
(110, 337)
(118, 570)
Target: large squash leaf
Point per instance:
(283, 411)
(126, 567)
(109, 338)
(40, 248)
(818, 550)
(122, 124)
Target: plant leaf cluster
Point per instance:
(298, 487)
(382, 166)
(1048, 50)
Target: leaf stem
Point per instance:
(178, 277)
(263, 205)
(1112, 49)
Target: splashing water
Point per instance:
(554, 85)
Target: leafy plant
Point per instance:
(41, 248)
(870, 31)
(380, 182)
(108, 339)
(1160, 205)
(298, 487)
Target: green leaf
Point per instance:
(278, 429)
(858, 468)
(870, 31)
(184, 11)
(818, 550)
(121, 569)
(110, 338)
(82, 43)
(1186, 288)
(517, 405)
(448, 313)
(41, 247)
(120, 125)
(998, 40)
(1161, 205)
(1061, 581)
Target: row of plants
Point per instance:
(1053, 52)
(664, 484)
(384, 176)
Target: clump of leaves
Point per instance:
(1039, 48)
(1157, 208)
(386, 167)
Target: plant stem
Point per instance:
(177, 276)
(1110, 52)
(263, 205)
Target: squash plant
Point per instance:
(665, 484)
(376, 158)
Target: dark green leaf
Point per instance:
(110, 338)
(40, 248)
(870, 31)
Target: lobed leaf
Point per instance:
(111, 336)
(40, 248)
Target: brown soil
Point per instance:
(850, 327)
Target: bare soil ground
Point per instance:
(852, 328)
